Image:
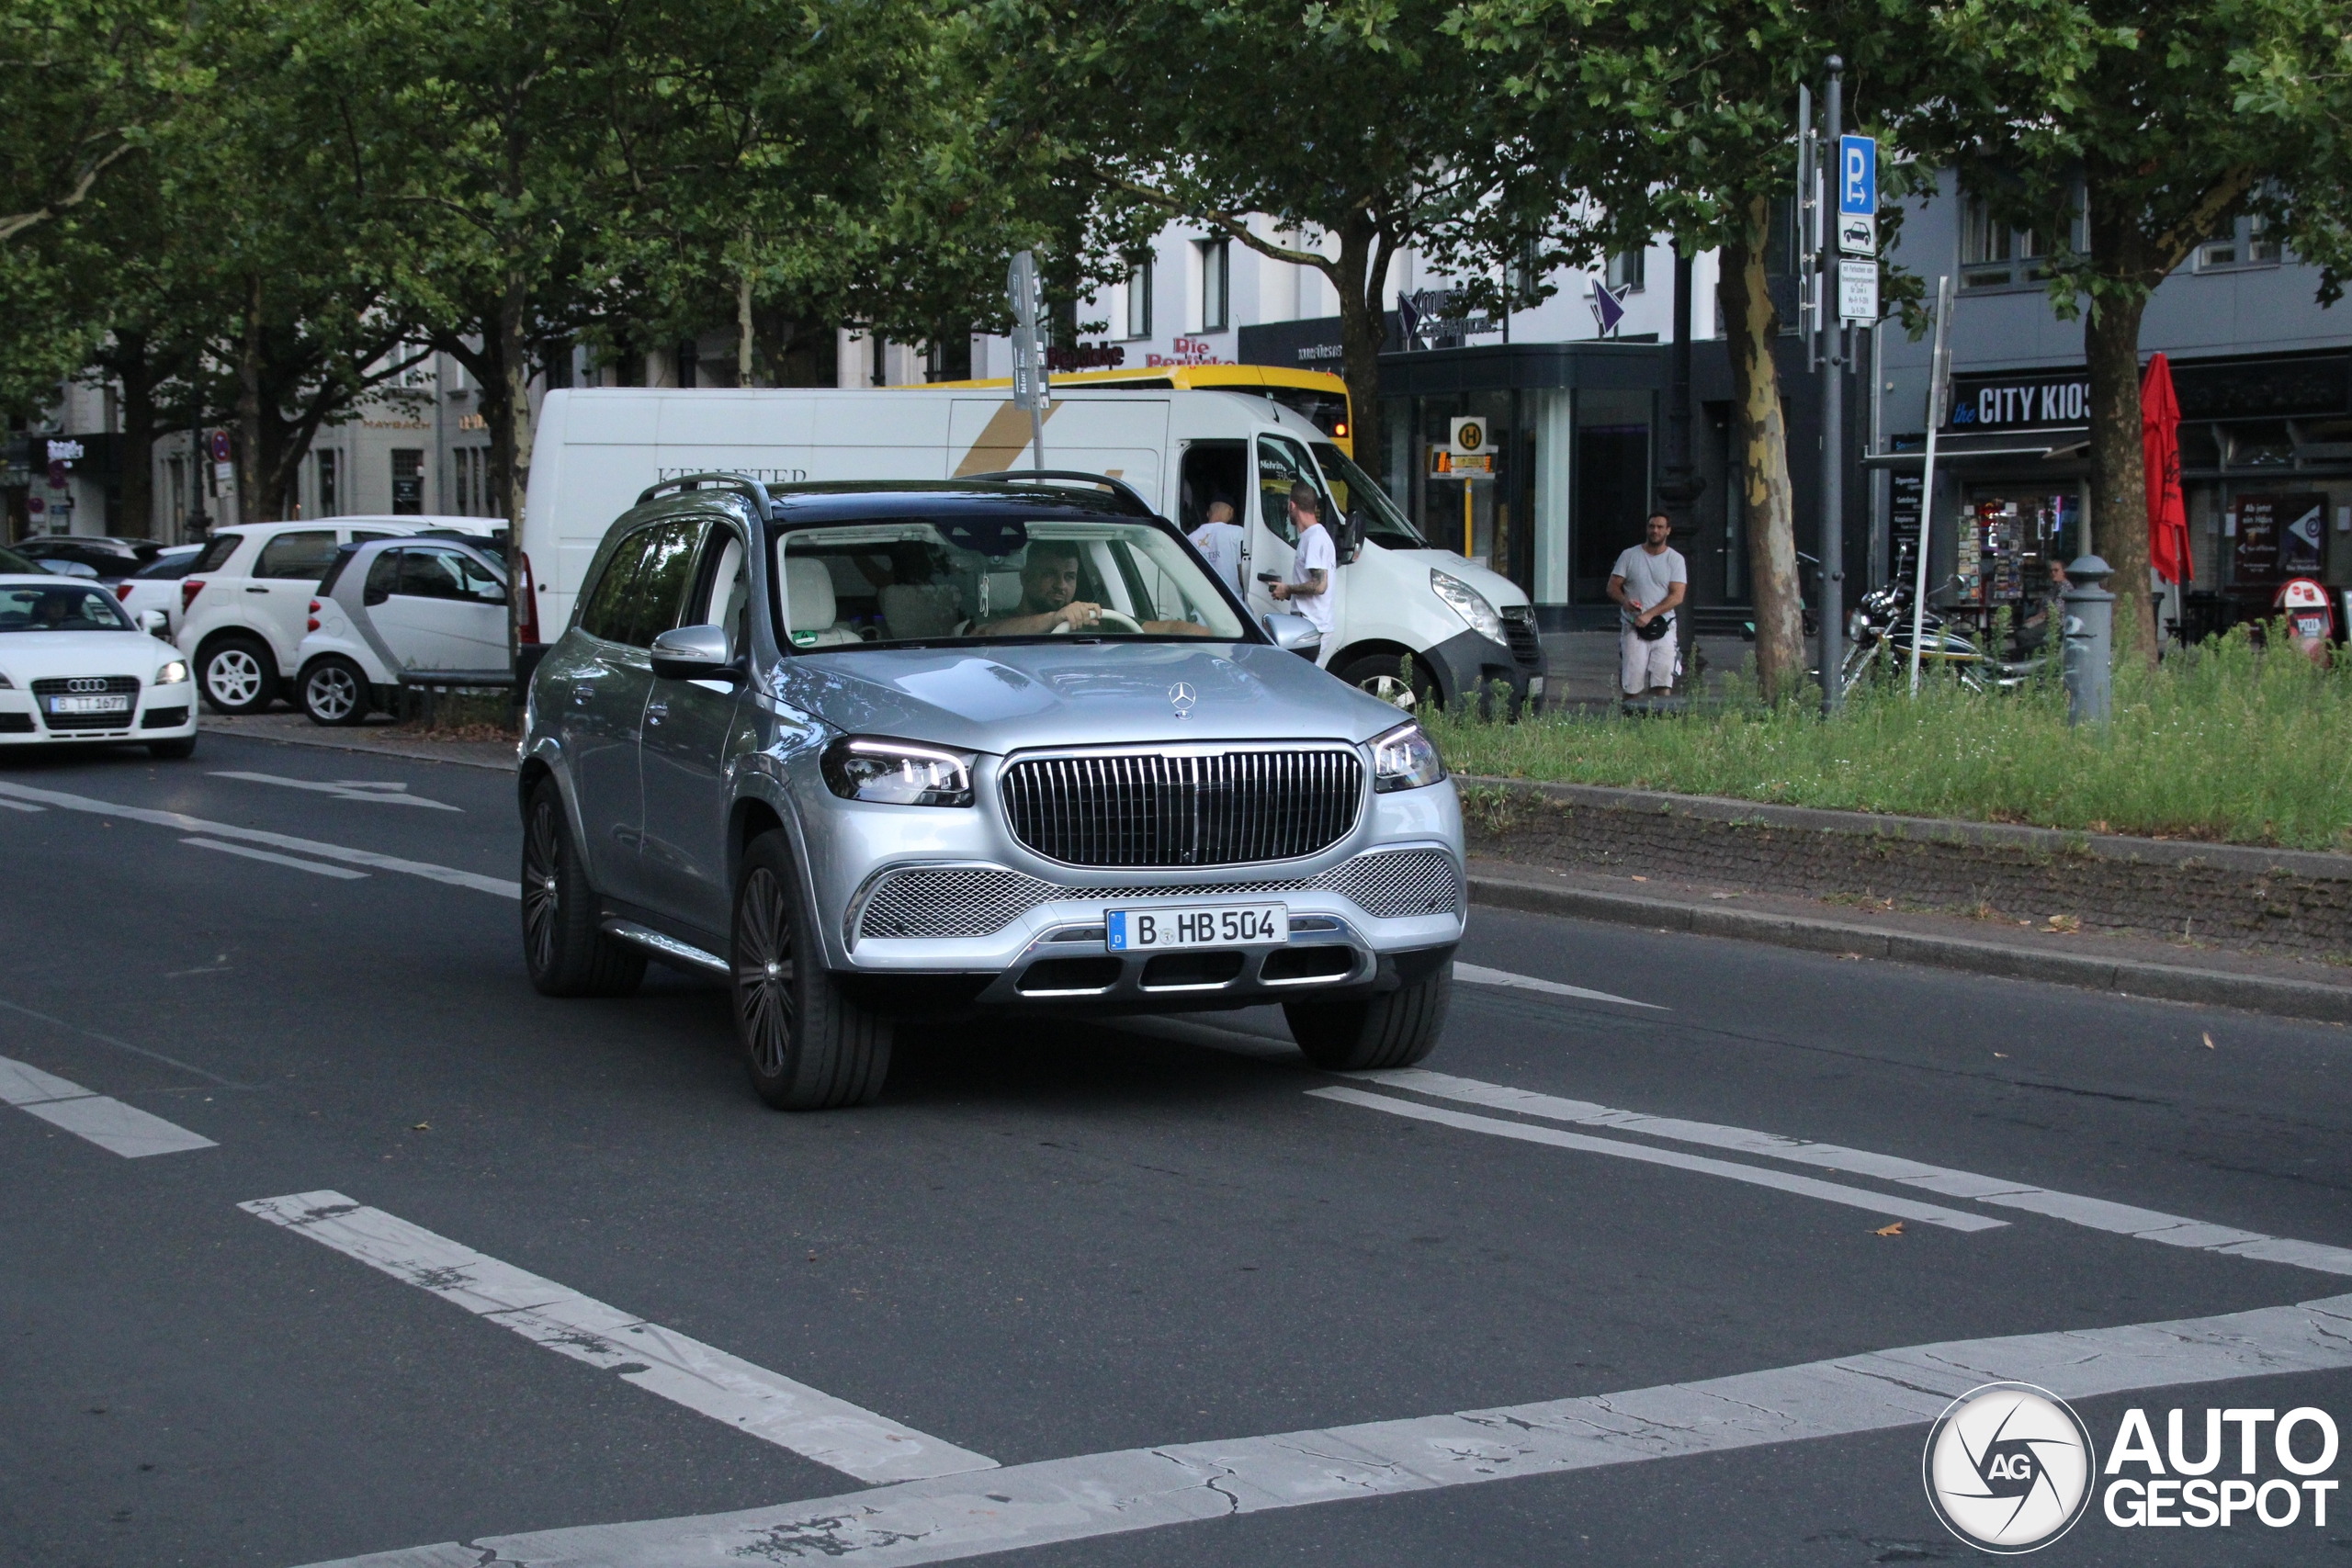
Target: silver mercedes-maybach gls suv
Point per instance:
(882, 749)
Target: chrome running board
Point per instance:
(667, 947)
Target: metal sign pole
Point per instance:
(1833, 428)
(1936, 371)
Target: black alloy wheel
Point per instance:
(808, 1044)
(564, 952)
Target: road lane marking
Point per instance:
(1754, 1176)
(22, 806)
(704, 1379)
(1113, 1494)
(2093, 1214)
(105, 1121)
(1477, 976)
(346, 789)
(186, 824)
(276, 859)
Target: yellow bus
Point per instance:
(1319, 395)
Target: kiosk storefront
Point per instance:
(2266, 451)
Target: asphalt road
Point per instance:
(1050, 1245)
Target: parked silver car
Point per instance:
(869, 750)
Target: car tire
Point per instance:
(178, 751)
(1382, 676)
(564, 952)
(1393, 1029)
(333, 691)
(238, 674)
(808, 1044)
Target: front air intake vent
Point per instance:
(1150, 808)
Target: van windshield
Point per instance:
(1358, 495)
(993, 578)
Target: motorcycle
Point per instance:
(1881, 626)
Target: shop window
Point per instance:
(408, 482)
(948, 358)
(1217, 285)
(1139, 297)
(1628, 270)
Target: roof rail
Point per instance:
(1067, 476)
(743, 484)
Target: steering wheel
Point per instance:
(1118, 620)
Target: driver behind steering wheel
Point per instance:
(1049, 601)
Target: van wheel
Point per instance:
(334, 692)
(810, 1045)
(1384, 676)
(564, 950)
(1394, 1029)
(239, 675)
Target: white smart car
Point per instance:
(74, 668)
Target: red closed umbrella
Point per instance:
(2160, 454)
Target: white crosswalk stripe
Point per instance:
(703, 1378)
(2093, 1214)
(103, 1120)
(1136, 1489)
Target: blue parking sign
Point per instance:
(1858, 175)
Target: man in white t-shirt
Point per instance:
(1219, 539)
(1308, 592)
(1649, 581)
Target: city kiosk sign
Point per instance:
(2030, 399)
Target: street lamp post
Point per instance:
(1680, 489)
(1829, 322)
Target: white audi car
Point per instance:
(74, 667)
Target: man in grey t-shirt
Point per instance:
(1647, 582)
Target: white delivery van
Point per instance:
(1462, 627)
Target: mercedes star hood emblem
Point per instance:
(1181, 696)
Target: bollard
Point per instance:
(2090, 637)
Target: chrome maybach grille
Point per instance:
(1148, 808)
(963, 901)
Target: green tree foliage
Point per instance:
(1357, 135)
(1678, 116)
(2126, 134)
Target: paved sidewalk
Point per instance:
(381, 737)
(2131, 966)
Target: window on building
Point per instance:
(1139, 297)
(2247, 242)
(408, 482)
(1994, 256)
(1217, 285)
(1629, 270)
(329, 503)
(558, 368)
(689, 363)
(949, 358)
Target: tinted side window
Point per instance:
(303, 556)
(660, 591)
(217, 551)
(382, 574)
(605, 610)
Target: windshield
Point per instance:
(29, 607)
(1359, 496)
(1327, 411)
(993, 578)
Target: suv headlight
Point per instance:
(1468, 604)
(171, 674)
(1405, 759)
(897, 773)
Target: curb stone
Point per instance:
(2254, 993)
(414, 754)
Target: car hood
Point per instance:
(1499, 591)
(1011, 697)
(26, 657)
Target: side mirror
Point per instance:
(155, 623)
(1294, 634)
(693, 653)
